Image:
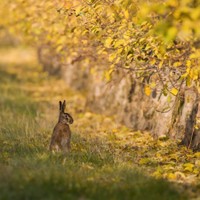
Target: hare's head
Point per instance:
(64, 117)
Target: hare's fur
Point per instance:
(61, 136)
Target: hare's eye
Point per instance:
(67, 117)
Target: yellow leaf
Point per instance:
(120, 50)
(171, 176)
(188, 63)
(157, 174)
(129, 56)
(160, 64)
(92, 71)
(142, 39)
(117, 60)
(196, 171)
(171, 33)
(169, 98)
(194, 56)
(59, 48)
(119, 42)
(197, 154)
(177, 64)
(195, 13)
(114, 130)
(78, 10)
(126, 14)
(194, 74)
(108, 42)
(108, 74)
(153, 85)
(174, 91)
(112, 57)
(147, 90)
(126, 36)
(188, 167)
(197, 163)
(188, 81)
(184, 75)
(144, 23)
(152, 62)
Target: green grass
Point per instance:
(91, 171)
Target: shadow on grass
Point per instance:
(109, 182)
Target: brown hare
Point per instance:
(61, 136)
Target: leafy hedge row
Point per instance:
(157, 41)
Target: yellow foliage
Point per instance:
(177, 64)
(112, 57)
(144, 34)
(108, 42)
(188, 167)
(147, 90)
(126, 14)
(197, 155)
(171, 176)
(108, 74)
(174, 91)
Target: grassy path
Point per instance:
(107, 161)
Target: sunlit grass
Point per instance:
(97, 168)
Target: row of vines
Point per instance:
(158, 41)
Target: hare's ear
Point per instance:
(60, 106)
(63, 105)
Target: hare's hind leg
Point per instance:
(53, 147)
(65, 145)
